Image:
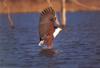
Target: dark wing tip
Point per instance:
(48, 10)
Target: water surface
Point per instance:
(78, 45)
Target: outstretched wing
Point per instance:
(47, 16)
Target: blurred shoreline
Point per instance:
(29, 6)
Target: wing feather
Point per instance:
(46, 16)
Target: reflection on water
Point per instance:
(78, 46)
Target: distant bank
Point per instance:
(32, 6)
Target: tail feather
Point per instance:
(41, 42)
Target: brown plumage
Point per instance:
(46, 26)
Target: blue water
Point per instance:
(78, 45)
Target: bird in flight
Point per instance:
(48, 28)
